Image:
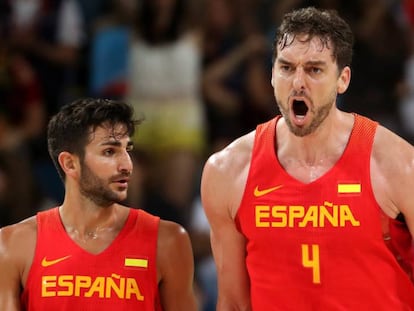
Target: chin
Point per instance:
(121, 197)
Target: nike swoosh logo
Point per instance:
(48, 263)
(259, 193)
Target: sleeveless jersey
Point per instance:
(63, 276)
(318, 246)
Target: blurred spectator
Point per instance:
(187, 80)
(93, 10)
(21, 96)
(50, 35)
(22, 119)
(110, 42)
(381, 52)
(258, 99)
(408, 8)
(236, 83)
(164, 85)
(406, 108)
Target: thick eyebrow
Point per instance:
(283, 61)
(308, 63)
(316, 63)
(116, 143)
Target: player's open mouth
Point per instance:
(299, 109)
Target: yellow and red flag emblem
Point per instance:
(349, 188)
(136, 262)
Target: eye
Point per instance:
(108, 152)
(315, 70)
(129, 148)
(285, 68)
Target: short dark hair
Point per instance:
(69, 130)
(324, 24)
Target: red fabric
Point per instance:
(313, 247)
(408, 6)
(27, 86)
(78, 280)
(399, 241)
(20, 91)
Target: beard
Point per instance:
(95, 189)
(319, 115)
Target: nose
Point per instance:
(299, 79)
(125, 163)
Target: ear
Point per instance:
(344, 80)
(69, 163)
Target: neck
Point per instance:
(308, 158)
(90, 223)
(327, 142)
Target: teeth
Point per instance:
(300, 117)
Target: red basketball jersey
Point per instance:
(63, 276)
(318, 246)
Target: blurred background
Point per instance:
(198, 70)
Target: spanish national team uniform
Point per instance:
(63, 276)
(320, 245)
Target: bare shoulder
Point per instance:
(171, 234)
(391, 152)
(392, 170)
(225, 173)
(17, 245)
(18, 234)
(174, 246)
(233, 157)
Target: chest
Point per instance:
(327, 199)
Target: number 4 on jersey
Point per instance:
(310, 259)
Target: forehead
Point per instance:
(108, 132)
(302, 46)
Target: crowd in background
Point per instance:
(198, 70)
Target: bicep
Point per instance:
(221, 196)
(9, 277)
(176, 263)
(392, 176)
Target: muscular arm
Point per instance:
(392, 175)
(17, 244)
(175, 268)
(9, 271)
(222, 186)
(10, 278)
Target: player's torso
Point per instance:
(64, 276)
(317, 246)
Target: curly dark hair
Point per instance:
(326, 25)
(70, 129)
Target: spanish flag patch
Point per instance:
(136, 262)
(349, 188)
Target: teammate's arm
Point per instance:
(175, 263)
(221, 189)
(10, 279)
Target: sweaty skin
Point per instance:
(302, 71)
